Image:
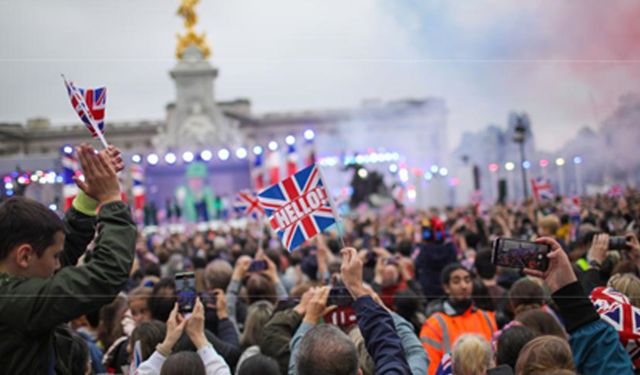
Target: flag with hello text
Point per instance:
(298, 208)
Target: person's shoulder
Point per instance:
(7, 281)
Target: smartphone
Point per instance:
(339, 296)
(508, 252)
(618, 243)
(257, 266)
(186, 291)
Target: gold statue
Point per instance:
(187, 10)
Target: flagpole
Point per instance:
(85, 108)
(339, 220)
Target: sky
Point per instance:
(563, 62)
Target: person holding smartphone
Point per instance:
(163, 361)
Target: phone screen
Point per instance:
(186, 291)
(257, 266)
(520, 254)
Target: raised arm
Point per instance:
(80, 219)
(376, 324)
(74, 291)
(595, 345)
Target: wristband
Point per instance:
(85, 204)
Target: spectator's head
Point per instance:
(32, 238)
(258, 315)
(624, 266)
(390, 274)
(485, 268)
(259, 287)
(510, 342)
(548, 226)
(525, 295)
(405, 248)
(471, 355)
(326, 350)
(407, 303)
(163, 298)
(481, 296)
(456, 282)
(544, 355)
(149, 334)
(89, 321)
(628, 284)
(365, 362)
(259, 364)
(110, 317)
(139, 304)
(217, 274)
(541, 323)
(184, 362)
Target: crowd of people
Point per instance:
(394, 291)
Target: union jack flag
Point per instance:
(298, 207)
(615, 309)
(292, 160)
(138, 190)
(542, 188)
(257, 172)
(91, 108)
(70, 167)
(273, 166)
(310, 158)
(246, 202)
(446, 365)
(615, 191)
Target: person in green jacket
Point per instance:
(40, 286)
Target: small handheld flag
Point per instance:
(292, 160)
(273, 166)
(89, 104)
(257, 173)
(69, 190)
(542, 188)
(299, 207)
(246, 202)
(138, 190)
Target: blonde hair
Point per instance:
(258, 315)
(551, 223)
(628, 284)
(365, 362)
(544, 355)
(471, 355)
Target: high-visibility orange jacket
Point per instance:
(441, 330)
